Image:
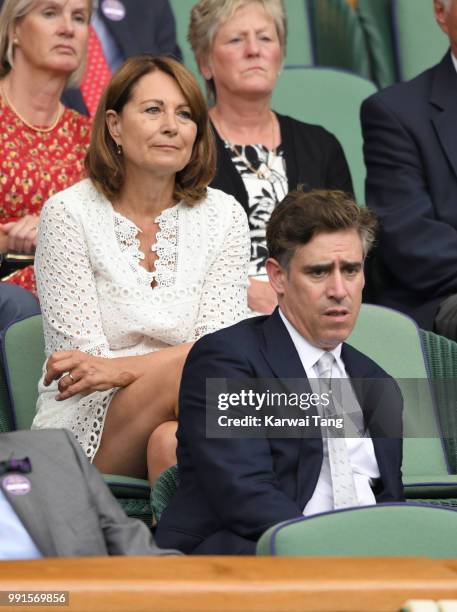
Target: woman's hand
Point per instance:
(261, 296)
(22, 234)
(79, 372)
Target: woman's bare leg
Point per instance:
(161, 449)
(136, 411)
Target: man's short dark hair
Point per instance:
(302, 215)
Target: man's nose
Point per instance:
(336, 287)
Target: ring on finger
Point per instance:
(72, 377)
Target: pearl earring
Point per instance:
(118, 149)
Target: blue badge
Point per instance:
(113, 10)
(16, 484)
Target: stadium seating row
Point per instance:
(374, 40)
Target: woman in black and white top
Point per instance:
(239, 46)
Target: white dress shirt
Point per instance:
(361, 451)
(15, 542)
(454, 61)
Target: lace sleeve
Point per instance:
(66, 283)
(224, 293)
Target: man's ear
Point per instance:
(276, 275)
(441, 12)
(114, 126)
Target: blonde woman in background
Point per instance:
(239, 46)
(43, 46)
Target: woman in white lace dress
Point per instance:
(133, 265)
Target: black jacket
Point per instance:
(314, 158)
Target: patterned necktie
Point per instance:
(97, 74)
(344, 492)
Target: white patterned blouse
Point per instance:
(96, 297)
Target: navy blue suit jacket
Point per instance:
(410, 133)
(148, 27)
(232, 490)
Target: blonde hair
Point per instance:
(11, 12)
(208, 15)
(105, 167)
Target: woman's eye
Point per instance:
(80, 18)
(185, 114)
(49, 13)
(235, 40)
(153, 110)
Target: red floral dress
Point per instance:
(35, 165)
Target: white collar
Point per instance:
(454, 61)
(309, 354)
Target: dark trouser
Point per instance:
(16, 303)
(446, 318)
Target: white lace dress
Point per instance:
(96, 297)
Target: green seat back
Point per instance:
(392, 340)
(442, 360)
(23, 346)
(386, 530)
(418, 41)
(332, 99)
(376, 19)
(181, 10)
(299, 39)
(339, 39)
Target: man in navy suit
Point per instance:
(410, 133)
(127, 28)
(231, 488)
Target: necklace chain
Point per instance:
(260, 172)
(36, 128)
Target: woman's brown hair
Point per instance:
(103, 164)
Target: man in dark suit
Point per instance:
(410, 133)
(127, 28)
(54, 503)
(231, 488)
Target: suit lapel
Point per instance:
(444, 100)
(121, 31)
(31, 508)
(280, 351)
(282, 357)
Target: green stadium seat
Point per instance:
(441, 356)
(419, 43)
(392, 340)
(331, 98)
(384, 530)
(338, 37)
(376, 20)
(299, 49)
(181, 10)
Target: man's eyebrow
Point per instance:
(326, 267)
(351, 264)
(323, 267)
